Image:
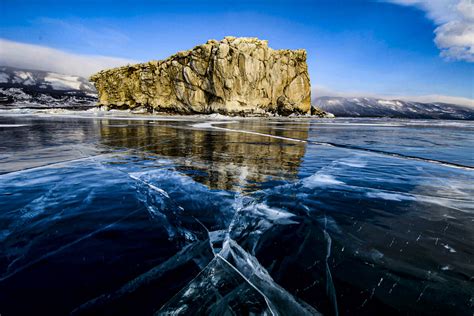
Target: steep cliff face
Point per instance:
(231, 76)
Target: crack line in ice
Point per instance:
(396, 155)
(54, 164)
(208, 234)
(238, 207)
(421, 293)
(324, 177)
(145, 278)
(211, 125)
(13, 125)
(51, 253)
(155, 188)
(248, 281)
(191, 281)
(380, 152)
(330, 289)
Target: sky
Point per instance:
(418, 49)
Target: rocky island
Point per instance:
(234, 76)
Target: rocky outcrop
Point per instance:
(315, 111)
(236, 76)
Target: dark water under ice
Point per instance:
(130, 216)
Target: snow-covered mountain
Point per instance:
(22, 88)
(371, 107)
(36, 88)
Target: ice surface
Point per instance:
(212, 124)
(355, 162)
(234, 279)
(156, 215)
(390, 196)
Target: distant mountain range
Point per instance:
(36, 89)
(371, 107)
(22, 88)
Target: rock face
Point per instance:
(315, 111)
(233, 76)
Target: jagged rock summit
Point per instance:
(235, 76)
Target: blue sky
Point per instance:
(357, 47)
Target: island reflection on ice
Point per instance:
(130, 216)
(226, 161)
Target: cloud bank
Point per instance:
(454, 34)
(321, 91)
(37, 57)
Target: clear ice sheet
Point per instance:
(108, 216)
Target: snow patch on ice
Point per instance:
(318, 180)
(390, 196)
(353, 162)
(211, 123)
(274, 214)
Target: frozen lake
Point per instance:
(201, 215)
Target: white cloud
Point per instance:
(37, 57)
(454, 34)
(320, 91)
